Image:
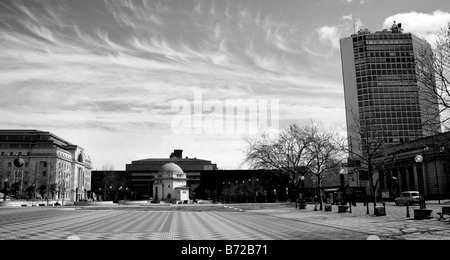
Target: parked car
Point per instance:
(411, 197)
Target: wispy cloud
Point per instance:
(117, 66)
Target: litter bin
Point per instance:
(301, 204)
(380, 211)
(342, 208)
(423, 213)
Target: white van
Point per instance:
(411, 197)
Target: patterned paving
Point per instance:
(60, 224)
(393, 226)
(270, 224)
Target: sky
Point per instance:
(116, 76)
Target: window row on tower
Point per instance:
(383, 36)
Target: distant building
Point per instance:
(402, 172)
(143, 173)
(249, 186)
(171, 184)
(172, 178)
(50, 164)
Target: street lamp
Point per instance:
(4, 190)
(217, 191)
(341, 174)
(63, 183)
(302, 182)
(302, 179)
(34, 192)
(394, 186)
(419, 159)
(435, 169)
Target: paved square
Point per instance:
(266, 224)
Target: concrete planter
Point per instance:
(342, 208)
(302, 206)
(423, 213)
(19, 203)
(380, 211)
(93, 203)
(134, 202)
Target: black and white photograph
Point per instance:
(225, 125)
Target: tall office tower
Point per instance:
(383, 98)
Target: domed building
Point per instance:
(170, 184)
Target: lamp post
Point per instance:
(217, 191)
(34, 193)
(342, 176)
(302, 191)
(394, 186)
(4, 189)
(18, 163)
(419, 159)
(63, 183)
(302, 179)
(435, 171)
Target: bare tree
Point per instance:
(433, 76)
(326, 153)
(64, 183)
(113, 181)
(44, 178)
(284, 154)
(3, 176)
(294, 152)
(33, 177)
(108, 167)
(51, 180)
(370, 149)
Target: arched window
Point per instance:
(80, 158)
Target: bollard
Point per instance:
(407, 209)
(350, 207)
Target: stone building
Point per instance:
(53, 167)
(141, 174)
(403, 173)
(170, 184)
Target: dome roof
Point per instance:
(171, 168)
